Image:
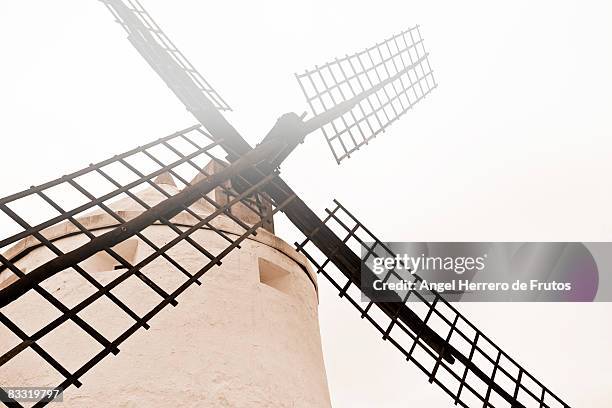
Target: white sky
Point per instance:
(513, 145)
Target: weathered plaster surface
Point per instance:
(232, 342)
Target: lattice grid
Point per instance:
(67, 205)
(479, 374)
(391, 76)
(135, 19)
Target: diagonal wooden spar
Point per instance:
(166, 210)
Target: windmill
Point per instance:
(353, 99)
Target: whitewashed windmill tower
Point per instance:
(224, 348)
(171, 224)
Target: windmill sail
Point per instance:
(198, 96)
(384, 81)
(478, 374)
(164, 57)
(112, 204)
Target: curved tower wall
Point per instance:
(247, 337)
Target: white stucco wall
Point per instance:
(232, 342)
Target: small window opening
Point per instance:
(274, 276)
